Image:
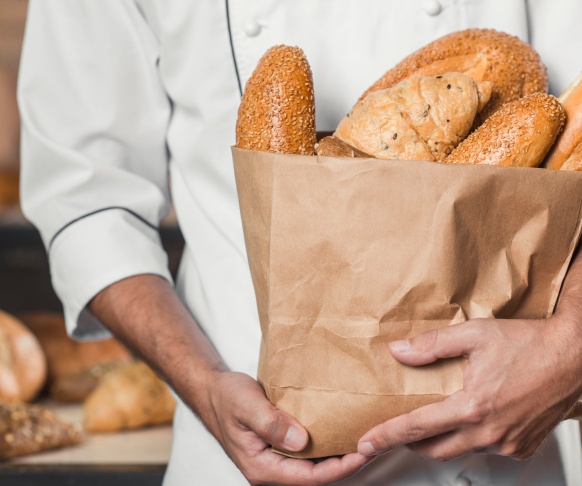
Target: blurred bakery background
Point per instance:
(70, 413)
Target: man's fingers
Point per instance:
(424, 422)
(275, 469)
(447, 342)
(274, 427)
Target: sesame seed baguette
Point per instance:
(519, 134)
(483, 54)
(277, 111)
(566, 153)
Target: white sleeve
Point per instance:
(554, 32)
(94, 177)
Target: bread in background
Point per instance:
(23, 367)
(74, 368)
(26, 429)
(127, 398)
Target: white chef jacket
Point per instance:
(114, 94)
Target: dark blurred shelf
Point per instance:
(81, 475)
(25, 283)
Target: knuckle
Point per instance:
(477, 410)
(429, 340)
(414, 433)
(268, 425)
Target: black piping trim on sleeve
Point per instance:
(95, 212)
(232, 49)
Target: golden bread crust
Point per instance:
(418, 119)
(334, 147)
(566, 153)
(519, 134)
(277, 111)
(483, 54)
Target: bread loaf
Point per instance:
(127, 398)
(277, 111)
(483, 54)
(566, 153)
(74, 367)
(520, 134)
(418, 119)
(334, 147)
(25, 429)
(22, 361)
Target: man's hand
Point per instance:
(145, 313)
(521, 379)
(246, 424)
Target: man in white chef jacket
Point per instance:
(116, 94)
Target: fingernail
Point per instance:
(366, 449)
(403, 345)
(295, 439)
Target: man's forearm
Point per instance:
(146, 315)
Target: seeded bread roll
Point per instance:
(566, 153)
(520, 134)
(25, 429)
(22, 362)
(277, 111)
(334, 147)
(483, 54)
(418, 119)
(127, 398)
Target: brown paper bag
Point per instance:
(347, 255)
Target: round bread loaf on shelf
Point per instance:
(519, 134)
(22, 362)
(483, 54)
(277, 111)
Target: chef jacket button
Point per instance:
(432, 7)
(462, 482)
(252, 28)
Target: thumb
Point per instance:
(447, 342)
(277, 428)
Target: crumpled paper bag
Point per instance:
(349, 254)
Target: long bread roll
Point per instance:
(519, 134)
(566, 153)
(483, 54)
(277, 111)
